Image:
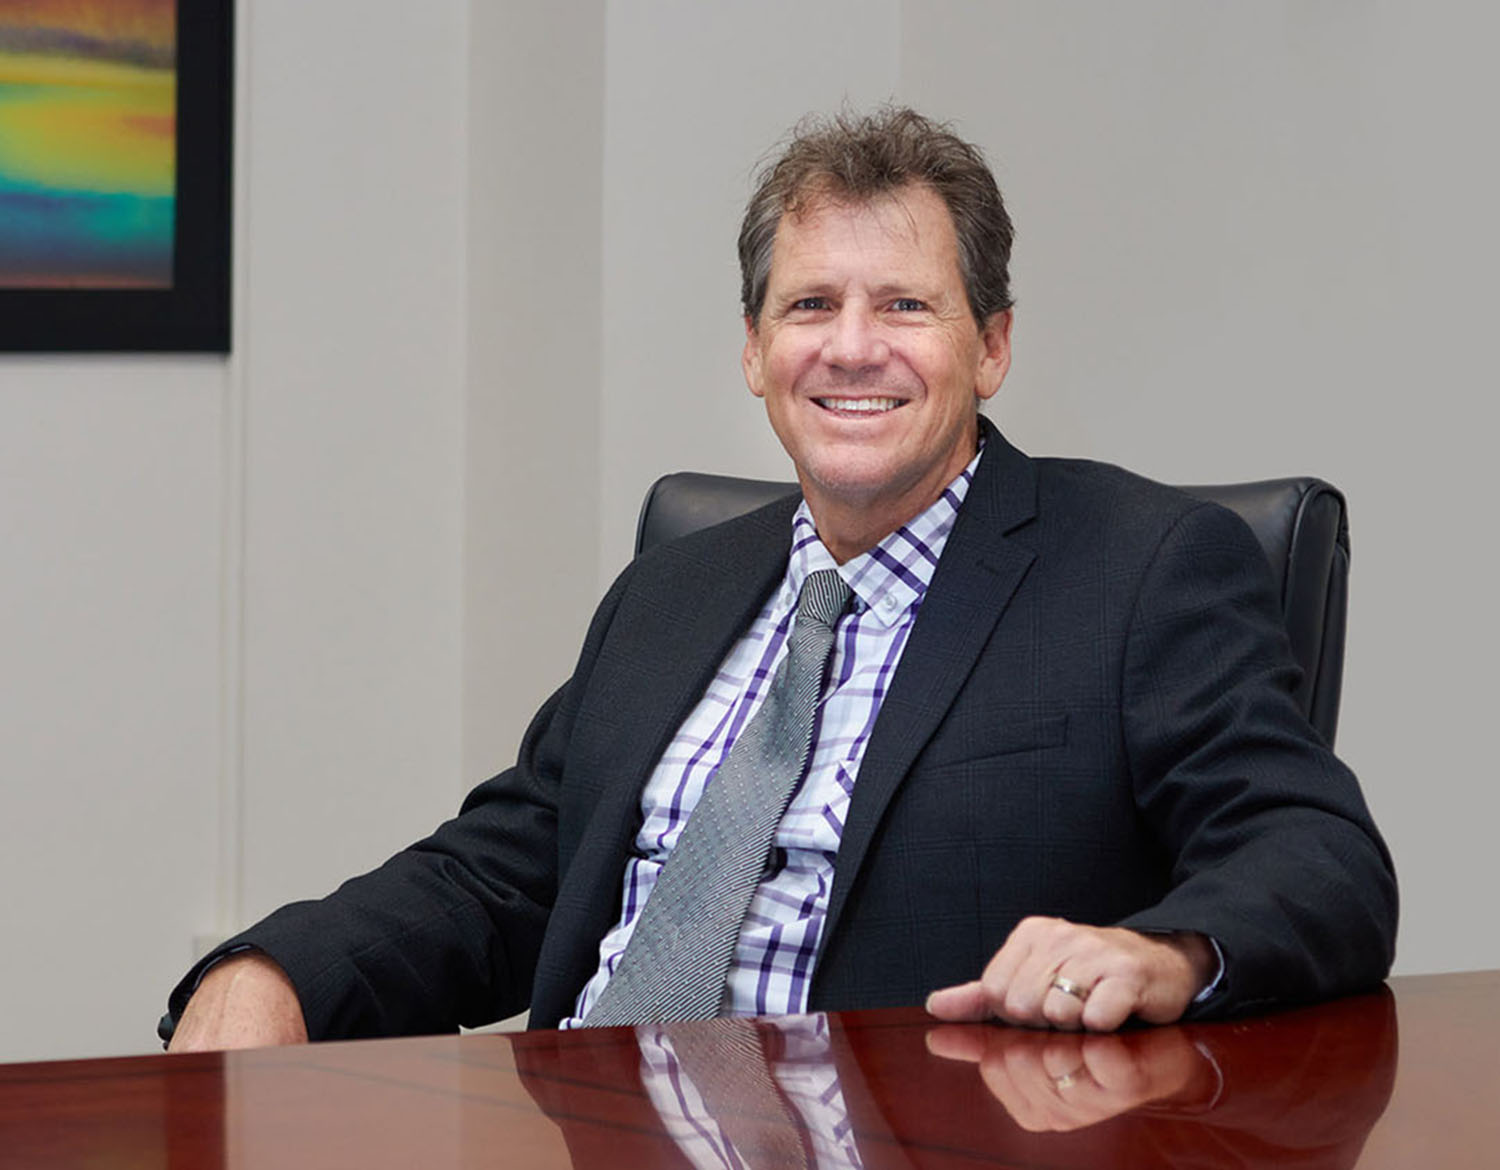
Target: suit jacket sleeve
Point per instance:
(1276, 855)
(447, 931)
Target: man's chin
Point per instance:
(856, 486)
(845, 483)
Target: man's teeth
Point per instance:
(859, 405)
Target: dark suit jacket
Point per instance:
(1093, 718)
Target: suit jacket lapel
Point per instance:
(685, 606)
(979, 571)
(696, 599)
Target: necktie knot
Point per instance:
(824, 595)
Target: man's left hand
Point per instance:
(1052, 973)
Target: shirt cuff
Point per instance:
(1213, 984)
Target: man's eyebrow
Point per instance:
(913, 289)
(812, 287)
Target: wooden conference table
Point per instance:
(1408, 1076)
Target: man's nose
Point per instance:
(855, 340)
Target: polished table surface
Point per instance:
(1407, 1076)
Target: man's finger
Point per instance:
(1109, 1005)
(1063, 1005)
(964, 1003)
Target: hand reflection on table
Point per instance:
(1296, 1088)
(1061, 1081)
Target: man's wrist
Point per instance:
(245, 1001)
(1204, 956)
(166, 1027)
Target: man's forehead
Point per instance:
(913, 214)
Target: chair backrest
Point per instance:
(1301, 524)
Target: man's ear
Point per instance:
(750, 359)
(994, 363)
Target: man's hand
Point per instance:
(244, 1002)
(1106, 975)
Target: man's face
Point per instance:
(870, 361)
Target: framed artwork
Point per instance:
(115, 120)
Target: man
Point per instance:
(1056, 775)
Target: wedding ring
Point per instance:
(1068, 987)
(1067, 1079)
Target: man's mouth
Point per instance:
(860, 405)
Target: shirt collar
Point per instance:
(890, 580)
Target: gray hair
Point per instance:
(857, 158)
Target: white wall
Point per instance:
(111, 508)
(354, 349)
(532, 439)
(485, 275)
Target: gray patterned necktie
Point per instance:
(676, 962)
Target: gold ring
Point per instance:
(1068, 987)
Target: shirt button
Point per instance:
(888, 603)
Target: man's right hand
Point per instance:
(245, 1001)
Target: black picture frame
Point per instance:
(193, 315)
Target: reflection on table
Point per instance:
(1321, 1086)
(875, 1089)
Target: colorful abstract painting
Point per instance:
(88, 128)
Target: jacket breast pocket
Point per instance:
(971, 738)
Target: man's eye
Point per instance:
(807, 303)
(907, 305)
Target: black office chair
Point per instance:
(1301, 524)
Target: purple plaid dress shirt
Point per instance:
(773, 963)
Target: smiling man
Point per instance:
(1012, 737)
